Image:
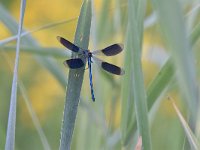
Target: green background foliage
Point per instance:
(160, 58)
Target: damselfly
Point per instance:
(76, 63)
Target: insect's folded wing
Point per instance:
(68, 44)
(74, 63)
(109, 67)
(110, 50)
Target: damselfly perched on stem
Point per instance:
(76, 63)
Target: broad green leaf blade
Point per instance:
(164, 76)
(191, 137)
(127, 94)
(173, 26)
(10, 135)
(136, 11)
(159, 83)
(75, 78)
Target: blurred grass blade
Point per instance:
(12, 38)
(150, 20)
(155, 88)
(172, 24)
(75, 78)
(48, 62)
(46, 51)
(114, 139)
(117, 16)
(159, 83)
(194, 36)
(10, 135)
(8, 20)
(136, 11)
(34, 117)
(30, 108)
(191, 137)
(127, 95)
(166, 74)
(103, 21)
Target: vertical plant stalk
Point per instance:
(136, 12)
(10, 137)
(75, 78)
(160, 82)
(127, 103)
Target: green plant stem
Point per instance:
(136, 12)
(75, 78)
(162, 80)
(10, 135)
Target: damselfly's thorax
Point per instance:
(86, 54)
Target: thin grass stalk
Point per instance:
(75, 78)
(43, 51)
(127, 102)
(10, 135)
(46, 26)
(190, 135)
(32, 113)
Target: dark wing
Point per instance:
(109, 67)
(74, 63)
(112, 68)
(110, 50)
(68, 44)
